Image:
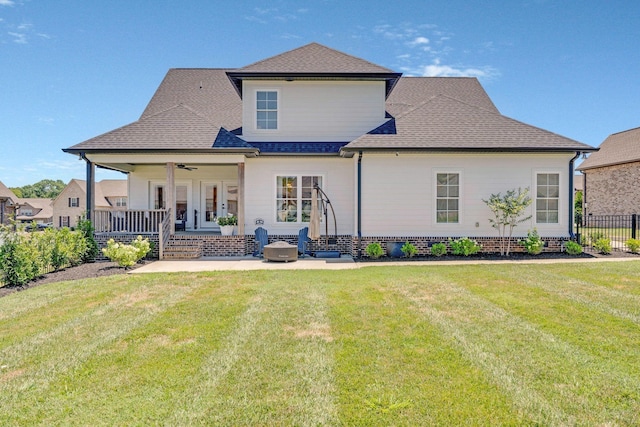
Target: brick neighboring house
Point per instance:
(612, 175)
(8, 202)
(34, 209)
(71, 203)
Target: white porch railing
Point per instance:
(164, 234)
(128, 221)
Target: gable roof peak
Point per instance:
(314, 58)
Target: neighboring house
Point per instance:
(612, 176)
(34, 209)
(71, 203)
(401, 158)
(8, 202)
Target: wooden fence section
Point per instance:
(129, 221)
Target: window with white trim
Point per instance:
(294, 196)
(121, 201)
(447, 197)
(267, 109)
(74, 202)
(547, 198)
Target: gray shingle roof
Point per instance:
(618, 148)
(444, 123)
(313, 58)
(411, 91)
(179, 127)
(192, 108)
(206, 91)
(7, 194)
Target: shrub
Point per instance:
(595, 236)
(508, 211)
(438, 249)
(127, 255)
(374, 250)
(86, 228)
(18, 260)
(603, 246)
(464, 246)
(227, 220)
(409, 250)
(633, 245)
(533, 243)
(573, 248)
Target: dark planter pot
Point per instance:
(327, 254)
(394, 249)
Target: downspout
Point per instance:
(571, 190)
(359, 204)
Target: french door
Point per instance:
(217, 199)
(183, 204)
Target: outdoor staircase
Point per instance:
(181, 247)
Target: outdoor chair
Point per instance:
(303, 241)
(262, 239)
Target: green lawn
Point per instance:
(440, 345)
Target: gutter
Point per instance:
(359, 220)
(571, 207)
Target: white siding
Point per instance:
(398, 192)
(310, 111)
(260, 191)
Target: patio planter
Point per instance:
(394, 249)
(227, 230)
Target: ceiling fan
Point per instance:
(185, 167)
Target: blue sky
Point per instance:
(71, 70)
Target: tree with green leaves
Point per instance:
(44, 189)
(508, 211)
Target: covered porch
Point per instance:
(182, 198)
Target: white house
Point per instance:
(401, 158)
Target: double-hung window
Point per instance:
(294, 196)
(267, 109)
(447, 197)
(547, 198)
(74, 202)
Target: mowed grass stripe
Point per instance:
(21, 312)
(139, 378)
(395, 368)
(34, 364)
(521, 357)
(570, 312)
(282, 373)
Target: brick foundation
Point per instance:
(215, 245)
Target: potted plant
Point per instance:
(227, 224)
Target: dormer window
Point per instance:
(267, 109)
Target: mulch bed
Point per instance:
(83, 271)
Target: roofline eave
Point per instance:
(236, 77)
(356, 149)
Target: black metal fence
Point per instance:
(617, 228)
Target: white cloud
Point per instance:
(419, 41)
(437, 69)
(19, 38)
(6, 3)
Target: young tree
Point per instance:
(507, 211)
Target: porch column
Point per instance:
(91, 189)
(171, 195)
(241, 199)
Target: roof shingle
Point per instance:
(618, 148)
(444, 123)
